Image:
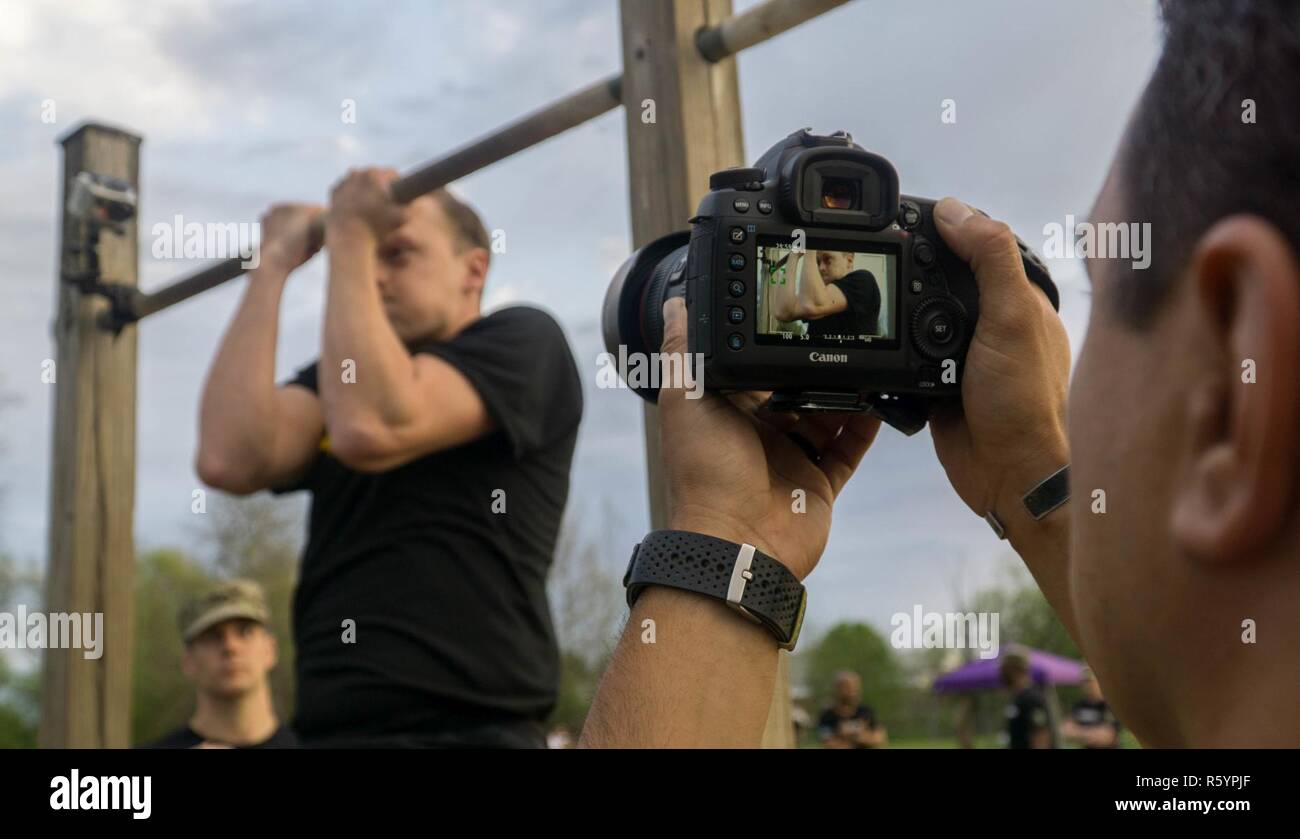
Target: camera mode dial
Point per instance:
(737, 178)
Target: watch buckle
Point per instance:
(740, 576)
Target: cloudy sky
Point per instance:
(239, 105)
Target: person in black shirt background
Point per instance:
(848, 724)
(436, 443)
(1092, 724)
(1029, 721)
(229, 654)
(833, 298)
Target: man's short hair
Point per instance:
(1015, 662)
(1194, 155)
(466, 226)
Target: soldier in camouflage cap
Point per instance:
(229, 654)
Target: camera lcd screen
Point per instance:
(826, 293)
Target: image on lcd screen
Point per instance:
(824, 296)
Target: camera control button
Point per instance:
(736, 288)
(917, 286)
(740, 205)
(735, 340)
(737, 235)
(764, 206)
(938, 327)
(911, 215)
(923, 253)
(735, 314)
(736, 262)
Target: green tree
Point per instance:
(19, 688)
(161, 698)
(587, 611)
(863, 650)
(254, 538)
(1024, 614)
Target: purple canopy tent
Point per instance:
(982, 674)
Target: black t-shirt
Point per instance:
(831, 722)
(862, 314)
(187, 738)
(1091, 714)
(1026, 715)
(442, 562)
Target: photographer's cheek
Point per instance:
(1123, 481)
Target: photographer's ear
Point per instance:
(1238, 492)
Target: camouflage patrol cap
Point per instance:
(224, 601)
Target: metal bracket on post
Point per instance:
(97, 203)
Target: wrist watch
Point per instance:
(746, 579)
(1050, 493)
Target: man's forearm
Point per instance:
(812, 289)
(783, 298)
(706, 680)
(358, 331)
(237, 410)
(1044, 545)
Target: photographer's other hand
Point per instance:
(288, 237)
(1008, 432)
(736, 475)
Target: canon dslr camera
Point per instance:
(808, 275)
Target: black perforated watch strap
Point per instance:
(753, 583)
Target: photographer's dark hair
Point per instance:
(1191, 159)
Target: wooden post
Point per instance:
(683, 124)
(85, 703)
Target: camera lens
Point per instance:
(632, 316)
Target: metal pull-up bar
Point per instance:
(128, 305)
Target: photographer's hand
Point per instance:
(707, 678)
(736, 474)
(1008, 432)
